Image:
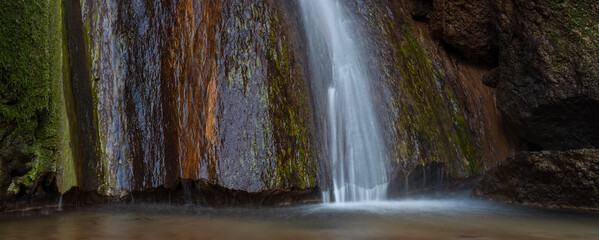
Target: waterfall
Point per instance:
(60, 203)
(340, 83)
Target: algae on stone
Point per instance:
(431, 124)
(32, 105)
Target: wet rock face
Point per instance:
(546, 51)
(548, 75)
(547, 179)
(468, 26)
(211, 90)
(432, 106)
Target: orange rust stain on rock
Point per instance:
(193, 63)
(479, 101)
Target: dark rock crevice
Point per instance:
(421, 10)
(79, 97)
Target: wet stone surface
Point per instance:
(198, 89)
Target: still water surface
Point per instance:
(403, 219)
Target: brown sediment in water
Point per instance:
(410, 219)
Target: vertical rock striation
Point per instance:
(434, 107)
(119, 97)
(198, 90)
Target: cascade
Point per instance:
(407, 184)
(60, 203)
(357, 161)
(441, 176)
(424, 177)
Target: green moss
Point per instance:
(430, 123)
(280, 141)
(287, 106)
(31, 95)
(574, 33)
(66, 167)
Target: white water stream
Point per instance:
(358, 162)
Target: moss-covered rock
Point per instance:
(424, 118)
(33, 117)
(35, 135)
(271, 142)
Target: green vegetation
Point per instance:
(288, 106)
(260, 66)
(32, 109)
(581, 23)
(574, 34)
(430, 123)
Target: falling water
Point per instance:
(357, 159)
(60, 203)
(423, 178)
(407, 184)
(442, 176)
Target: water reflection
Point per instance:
(406, 219)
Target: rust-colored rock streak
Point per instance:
(193, 68)
(192, 89)
(479, 100)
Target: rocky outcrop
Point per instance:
(216, 91)
(544, 55)
(548, 75)
(155, 92)
(542, 59)
(211, 90)
(432, 103)
(468, 26)
(555, 179)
